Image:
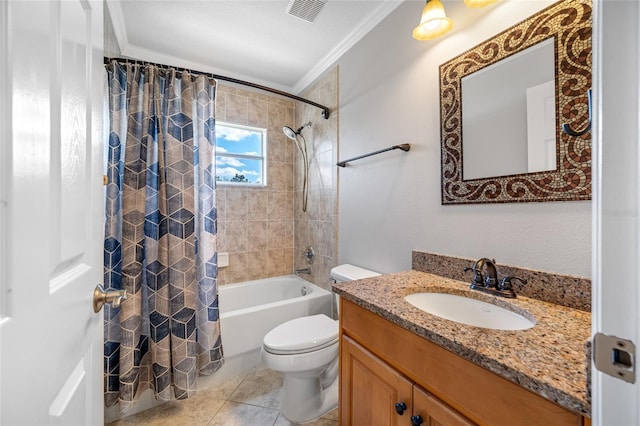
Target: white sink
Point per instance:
(469, 311)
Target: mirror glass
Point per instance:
(502, 107)
(513, 129)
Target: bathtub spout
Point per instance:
(303, 271)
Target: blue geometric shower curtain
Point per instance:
(160, 233)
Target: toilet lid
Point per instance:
(302, 335)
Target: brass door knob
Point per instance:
(100, 297)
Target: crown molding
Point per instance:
(117, 21)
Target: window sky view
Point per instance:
(232, 145)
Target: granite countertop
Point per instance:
(549, 359)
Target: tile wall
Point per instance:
(318, 226)
(264, 230)
(255, 224)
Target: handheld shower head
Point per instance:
(292, 134)
(289, 132)
(302, 147)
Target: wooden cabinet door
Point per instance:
(370, 389)
(434, 412)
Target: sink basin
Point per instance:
(469, 311)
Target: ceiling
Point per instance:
(252, 40)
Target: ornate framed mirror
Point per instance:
(503, 143)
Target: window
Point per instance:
(240, 155)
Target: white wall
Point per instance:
(390, 204)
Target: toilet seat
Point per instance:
(302, 335)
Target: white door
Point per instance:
(616, 202)
(51, 104)
(541, 127)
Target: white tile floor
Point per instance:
(250, 399)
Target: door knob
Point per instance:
(100, 297)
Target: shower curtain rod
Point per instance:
(325, 110)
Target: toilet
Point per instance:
(305, 350)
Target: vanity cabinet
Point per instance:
(373, 393)
(370, 389)
(382, 364)
(433, 412)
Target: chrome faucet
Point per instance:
(306, 270)
(489, 283)
(308, 257)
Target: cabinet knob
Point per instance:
(400, 407)
(416, 420)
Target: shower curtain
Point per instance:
(160, 233)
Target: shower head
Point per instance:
(302, 147)
(292, 134)
(289, 132)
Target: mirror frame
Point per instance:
(568, 22)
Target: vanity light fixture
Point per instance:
(478, 3)
(433, 23)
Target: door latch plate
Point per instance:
(615, 356)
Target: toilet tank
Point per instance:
(347, 272)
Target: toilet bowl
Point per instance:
(305, 350)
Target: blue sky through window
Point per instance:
(239, 154)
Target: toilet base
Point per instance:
(304, 400)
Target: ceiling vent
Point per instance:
(306, 9)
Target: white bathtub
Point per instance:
(250, 309)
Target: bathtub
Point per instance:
(250, 309)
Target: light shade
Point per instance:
(434, 21)
(478, 3)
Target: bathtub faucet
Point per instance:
(303, 271)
